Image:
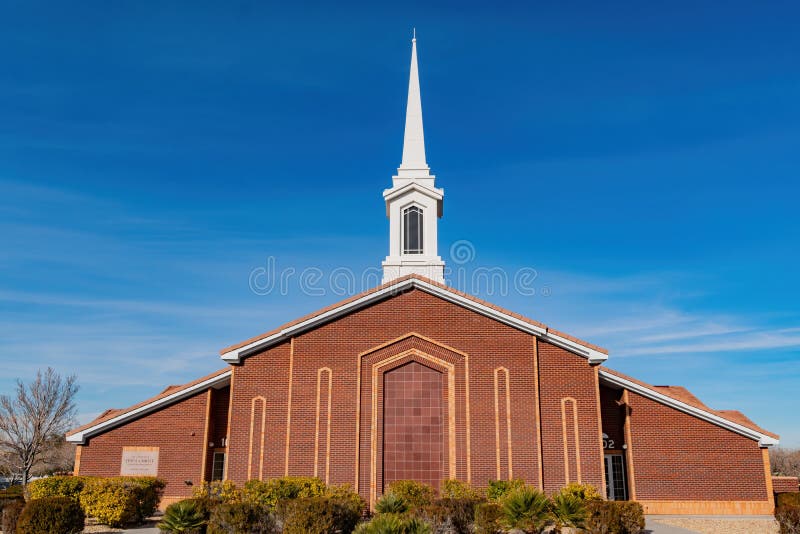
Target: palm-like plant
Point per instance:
(388, 523)
(416, 526)
(391, 504)
(526, 509)
(567, 511)
(183, 517)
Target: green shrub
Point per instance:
(602, 517)
(454, 516)
(631, 517)
(787, 499)
(111, 501)
(183, 517)
(218, 491)
(51, 515)
(416, 494)
(149, 491)
(500, 488)
(60, 486)
(487, 516)
(567, 510)
(391, 503)
(457, 489)
(271, 492)
(241, 518)
(321, 515)
(346, 495)
(526, 509)
(584, 492)
(10, 515)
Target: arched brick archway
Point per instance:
(413, 426)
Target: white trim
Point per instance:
(80, 437)
(395, 192)
(763, 439)
(594, 356)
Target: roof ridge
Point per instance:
(398, 282)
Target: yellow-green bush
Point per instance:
(218, 491)
(415, 494)
(457, 489)
(112, 501)
(584, 492)
(59, 486)
(271, 492)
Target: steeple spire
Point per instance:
(414, 203)
(414, 139)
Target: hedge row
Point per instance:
(293, 505)
(301, 505)
(115, 501)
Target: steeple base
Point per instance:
(395, 267)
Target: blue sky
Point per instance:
(642, 159)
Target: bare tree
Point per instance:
(785, 461)
(29, 420)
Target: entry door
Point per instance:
(616, 485)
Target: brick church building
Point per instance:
(415, 380)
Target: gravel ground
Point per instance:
(718, 525)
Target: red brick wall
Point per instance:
(487, 344)
(178, 432)
(413, 440)
(679, 457)
(563, 375)
(785, 485)
(266, 375)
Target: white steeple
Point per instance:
(414, 139)
(413, 204)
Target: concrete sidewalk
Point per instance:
(652, 526)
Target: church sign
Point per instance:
(139, 461)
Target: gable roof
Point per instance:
(235, 353)
(112, 418)
(681, 399)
